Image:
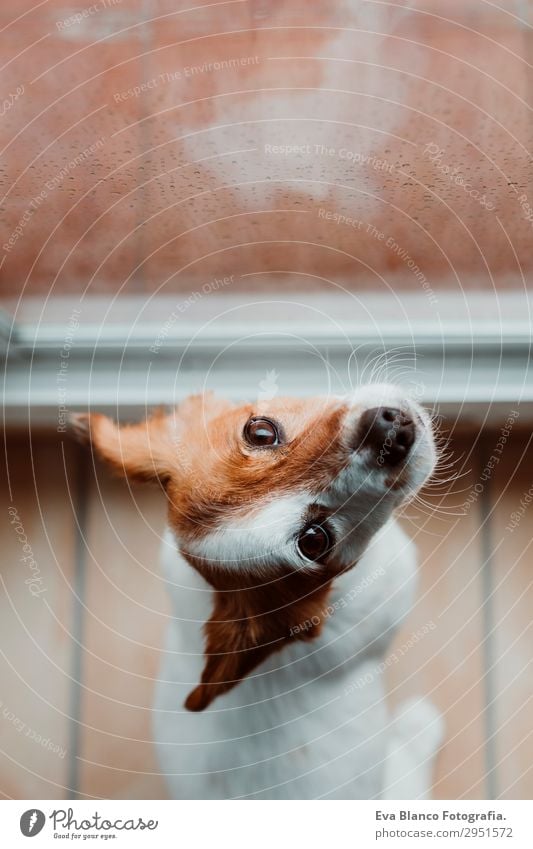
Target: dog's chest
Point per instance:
(313, 705)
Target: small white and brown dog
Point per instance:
(288, 576)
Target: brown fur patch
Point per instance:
(141, 452)
(248, 624)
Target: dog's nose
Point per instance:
(389, 432)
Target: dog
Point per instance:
(289, 577)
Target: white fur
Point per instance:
(417, 734)
(257, 538)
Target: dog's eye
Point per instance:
(314, 542)
(260, 432)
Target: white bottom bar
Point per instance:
(264, 825)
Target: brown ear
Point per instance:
(142, 451)
(247, 626)
(231, 655)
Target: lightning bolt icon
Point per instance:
(33, 820)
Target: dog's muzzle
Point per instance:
(388, 432)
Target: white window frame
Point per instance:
(470, 354)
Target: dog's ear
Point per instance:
(249, 625)
(141, 452)
(232, 652)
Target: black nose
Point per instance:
(389, 432)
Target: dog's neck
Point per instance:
(360, 608)
(252, 620)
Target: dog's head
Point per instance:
(271, 502)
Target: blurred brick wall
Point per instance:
(145, 144)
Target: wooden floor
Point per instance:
(79, 657)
